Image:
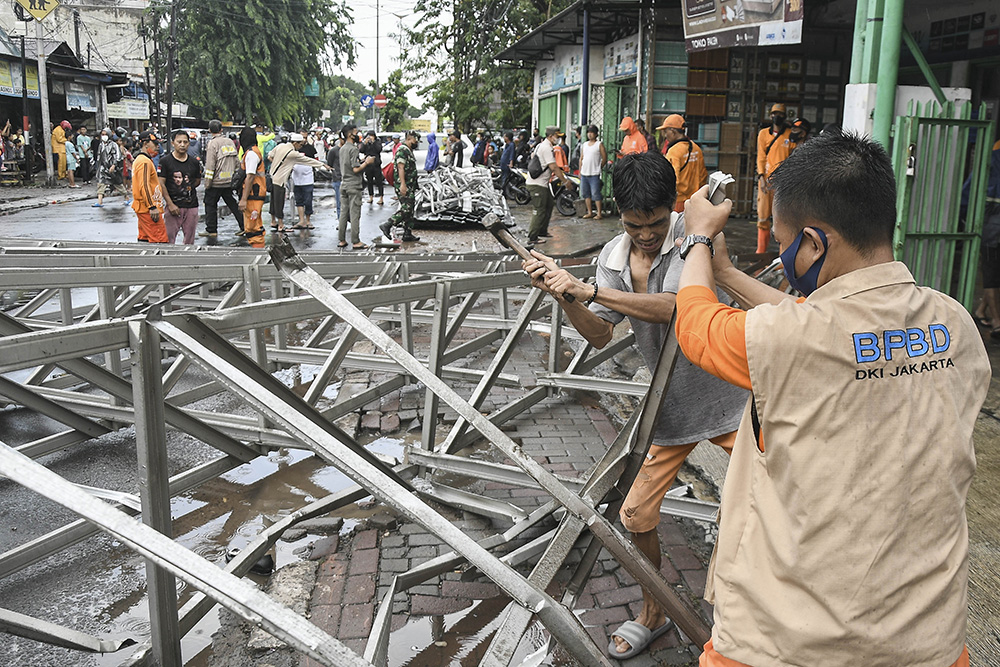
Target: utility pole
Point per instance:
(145, 65)
(29, 155)
(156, 86)
(44, 132)
(88, 55)
(377, 82)
(171, 55)
(76, 33)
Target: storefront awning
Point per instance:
(609, 21)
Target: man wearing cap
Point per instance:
(634, 141)
(541, 197)
(774, 144)
(686, 158)
(147, 197)
(283, 158)
(59, 147)
(405, 182)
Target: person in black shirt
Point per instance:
(180, 175)
(372, 147)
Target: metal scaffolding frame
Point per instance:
(107, 332)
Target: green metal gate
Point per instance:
(609, 103)
(930, 154)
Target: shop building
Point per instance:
(638, 63)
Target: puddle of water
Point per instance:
(456, 640)
(229, 512)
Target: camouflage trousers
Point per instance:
(404, 216)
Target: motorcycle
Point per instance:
(564, 197)
(516, 188)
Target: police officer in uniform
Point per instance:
(842, 531)
(405, 182)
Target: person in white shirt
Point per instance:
(542, 201)
(593, 156)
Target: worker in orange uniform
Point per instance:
(633, 142)
(147, 198)
(842, 532)
(774, 144)
(254, 188)
(59, 133)
(686, 158)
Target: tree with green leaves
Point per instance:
(454, 44)
(393, 113)
(253, 58)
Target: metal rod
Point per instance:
(628, 555)
(154, 488)
(238, 596)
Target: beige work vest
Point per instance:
(846, 542)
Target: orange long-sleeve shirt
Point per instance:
(714, 338)
(768, 160)
(146, 193)
(689, 165)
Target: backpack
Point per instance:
(535, 168)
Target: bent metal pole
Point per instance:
(628, 555)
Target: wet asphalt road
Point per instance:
(115, 222)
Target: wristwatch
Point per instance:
(691, 239)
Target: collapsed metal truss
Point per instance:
(228, 312)
(459, 195)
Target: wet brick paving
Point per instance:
(567, 433)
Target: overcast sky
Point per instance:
(364, 33)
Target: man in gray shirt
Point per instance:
(333, 159)
(637, 277)
(350, 187)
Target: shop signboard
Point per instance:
(81, 96)
(129, 109)
(621, 58)
(721, 24)
(564, 72)
(10, 79)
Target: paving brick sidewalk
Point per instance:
(567, 433)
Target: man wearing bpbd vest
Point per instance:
(842, 532)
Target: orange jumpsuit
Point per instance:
(689, 165)
(146, 195)
(59, 149)
(633, 142)
(714, 339)
(767, 162)
(253, 222)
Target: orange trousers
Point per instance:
(153, 232)
(765, 198)
(253, 223)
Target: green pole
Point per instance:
(924, 67)
(858, 51)
(888, 70)
(872, 41)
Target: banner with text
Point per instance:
(10, 79)
(720, 24)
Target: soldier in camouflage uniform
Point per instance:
(405, 173)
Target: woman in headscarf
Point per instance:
(431, 163)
